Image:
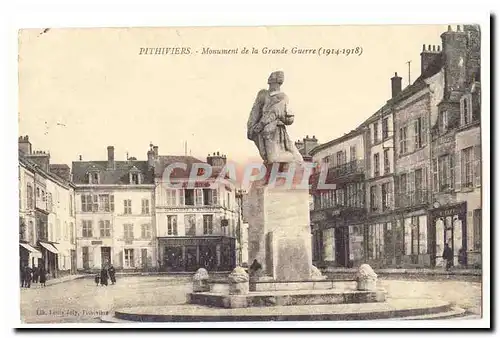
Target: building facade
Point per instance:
(46, 212)
(421, 169)
(380, 242)
(114, 213)
(338, 214)
(196, 221)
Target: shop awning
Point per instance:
(49, 247)
(29, 248)
(60, 247)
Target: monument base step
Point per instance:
(391, 309)
(285, 298)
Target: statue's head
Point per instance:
(276, 77)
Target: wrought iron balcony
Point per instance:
(346, 169)
(412, 198)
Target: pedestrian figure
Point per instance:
(27, 276)
(462, 257)
(104, 276)
(35, 274)
(22, 275)
(448, 256)
(97, 279)
(112, 272)
(255, 269)
(42, 275)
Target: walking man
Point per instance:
(448, 257)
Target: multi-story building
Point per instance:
(114, 213)
(46, 212)
(338, 214)
(455, 215)
(380, 246)
(468, 177)
(422, 168)
(196, 222)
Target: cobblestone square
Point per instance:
(81, 301)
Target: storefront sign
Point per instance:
(96, 242)
(318, 216)
(449, 211)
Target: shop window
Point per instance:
(376, 241)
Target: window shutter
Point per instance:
(435, 180)
(452, 170)
(333, 159)
(84, 207)
(425, 130)
(112, 202)
(458, 171)
(476, 107)
(477, 165)
(463, 102)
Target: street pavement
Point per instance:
(81, 301)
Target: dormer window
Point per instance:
(466, 110)
(134, 176)
(443, 122)
(93, 177)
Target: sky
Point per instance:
(81, 90)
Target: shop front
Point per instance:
(49, 258)
(214, 253)
(449, 225)
(338, 237)
(29, 256)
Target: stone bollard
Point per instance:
(366, 278)
(200, 281)
(238, 282)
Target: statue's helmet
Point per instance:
(276, 77)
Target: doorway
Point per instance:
(144, 258)
(342, 246)
(173, 258)
(73, 261)
(191, 258)
(105, 256)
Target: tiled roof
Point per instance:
(118, 175)
(164, 161)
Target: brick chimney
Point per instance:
(24, 145)
(428, 56)
(41, 158)
(111, 158)
(216, 160)
(455, 60)
(395, 85)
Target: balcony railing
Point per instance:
(349, 168)
(411, 199)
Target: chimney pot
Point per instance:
(80, 157)
(433, 48)
(449, 28)
(458, 28)
(423, 47)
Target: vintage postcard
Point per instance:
(252, 174)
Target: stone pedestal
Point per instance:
(238, 282)
(200, 281)
(279, 231)
(366, 278)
